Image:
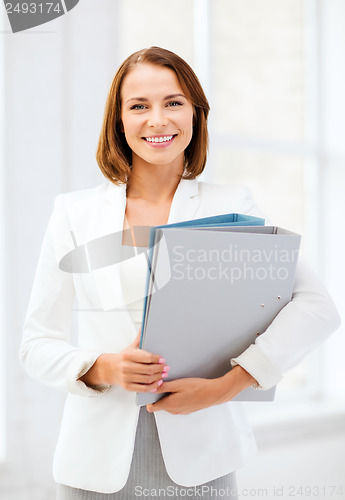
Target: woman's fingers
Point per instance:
(144, 378)
(136, 342)
(141, 383)
(140, 370)
(148, 375)
(145, 387)
(148, 372)
(142, 356)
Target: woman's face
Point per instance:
(157, 117)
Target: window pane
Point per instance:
(257, 68)
(276, 182)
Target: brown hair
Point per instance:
(114, 156)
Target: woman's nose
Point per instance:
(157, 118)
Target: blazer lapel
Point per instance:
(185, 202)
(110, 221)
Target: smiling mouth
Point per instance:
(160, 139)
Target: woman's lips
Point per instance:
(161, 141)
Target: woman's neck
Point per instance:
(154, 183)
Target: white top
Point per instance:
(133, 280)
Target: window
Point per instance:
(268, 93)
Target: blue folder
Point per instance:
(213, 221)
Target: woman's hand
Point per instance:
(192, 394)
(187, 395)
(132, 368)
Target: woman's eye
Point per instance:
(138, 106)
(174, 103)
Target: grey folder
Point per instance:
(211, 291)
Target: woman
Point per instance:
(152, 148)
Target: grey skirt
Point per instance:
(148, 477)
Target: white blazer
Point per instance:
(96, 440)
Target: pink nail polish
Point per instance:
(154, 390)
(164, 375)
(166, 368)
(161, 360)
(160, 382)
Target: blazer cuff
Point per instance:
(83, 362)
(254, 361)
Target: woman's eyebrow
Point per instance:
(140, 99)
(172, 96)
(144, 99)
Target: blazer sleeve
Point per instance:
(45, 351)
(302, 325)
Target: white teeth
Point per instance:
(159, 139)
